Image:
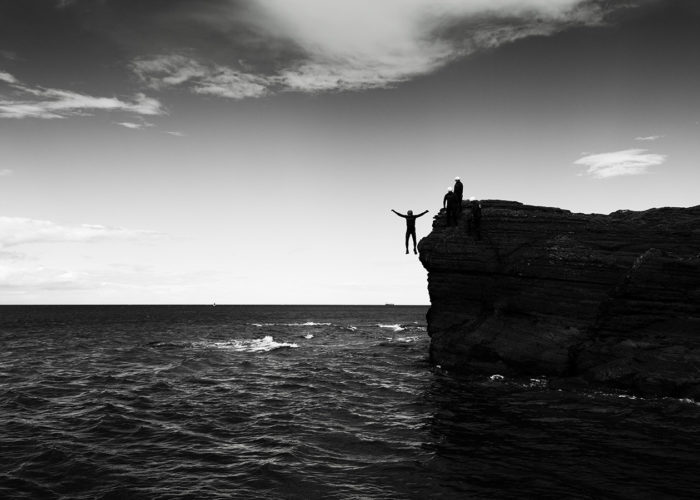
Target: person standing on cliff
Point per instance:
(459, 191)
(474, 222)
(410, 226)
(449, 203)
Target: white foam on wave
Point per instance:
(264, 344)
(414, 338)
(309, 336)
(396, 328)
(308, 323)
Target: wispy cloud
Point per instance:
(363, 44)
(200, 78)
(617, 163)
(649, 138)
(353, 45)
(20, 277)
(47, 103)
(21, 230)
(24, 278)
(7, 78)
(4, 172)
(134, 126)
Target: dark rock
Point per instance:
(614, 299)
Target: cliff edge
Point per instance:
(611, 299)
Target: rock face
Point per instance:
(611, 299)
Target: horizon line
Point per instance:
(388, 304)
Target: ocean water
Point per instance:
(333, 402)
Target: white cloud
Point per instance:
(357, 44)
(4, 172)
(175, 133)
(21, 278)
(362, 44)
(134, 126)
(24, 278)
(649, 138)
(21, 230)
(176, 70)
(38, 102)
(617, 163)
(7, 78)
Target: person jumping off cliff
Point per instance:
(410, 226)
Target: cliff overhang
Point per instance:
(606, 299)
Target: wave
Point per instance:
(396, 328)
(308, 323)
(413, 338)
(264, 344)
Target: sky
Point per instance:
(250, 151)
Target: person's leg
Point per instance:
(407, 235)
(413, 235)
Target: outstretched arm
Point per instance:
(400, 215)
(422, 213)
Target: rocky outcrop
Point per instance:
(612, 299)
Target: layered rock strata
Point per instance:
(611, 299)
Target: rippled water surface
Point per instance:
(306, 402)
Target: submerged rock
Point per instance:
(612, 299)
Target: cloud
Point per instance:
(617, 163)
(38, 102)
(20, 230)
(19, 277)
(25, 278)
(134, 126)
(317, 45)
(7, 78)
(8, 54)
(177, 70)
(353, 45)
(649, 138)
(4, 172)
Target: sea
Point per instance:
(307, 402)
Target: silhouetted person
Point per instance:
(410, 226)
(459, 191)
(446, 198)
(449, 203)
(474, 222)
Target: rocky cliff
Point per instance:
(611, 299)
